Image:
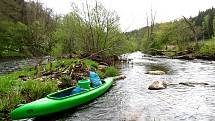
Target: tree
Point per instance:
(192, 28)
(92, 29)
(12, 36)
(210, 23)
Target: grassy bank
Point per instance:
(207, 50)
(15, 91)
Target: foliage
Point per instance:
(178, 35)
(9, 32)
(208, 48)
(91, 63)
(92, 29)
(111, 71)
(25, 28)
(14, 91)
(30, 29)
(12, 9)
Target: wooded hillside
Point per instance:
(30, 29)
(192, 35)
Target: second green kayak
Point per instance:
(59, 101)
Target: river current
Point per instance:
(130, 99)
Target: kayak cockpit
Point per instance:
(83, 86)
(65, 93)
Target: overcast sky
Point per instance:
(132, 13)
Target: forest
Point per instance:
(182, 36)
(29, 29)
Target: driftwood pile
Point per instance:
(66, 75)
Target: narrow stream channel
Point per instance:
(130, 100)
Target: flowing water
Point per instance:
(10, 65)
(130, 100)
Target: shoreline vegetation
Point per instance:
(205, 51)
(32, 30)
(32, 83)
(182, 38)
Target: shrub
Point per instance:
(208, 48)
(111, 71)
(91, 63)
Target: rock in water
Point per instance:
(156, 72)
(157, 85)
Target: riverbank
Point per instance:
(203, 50)
(32, 83)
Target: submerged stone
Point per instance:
(157, 85)
(156, 72)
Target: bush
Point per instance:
(91, 63)
(208, 49)
(111, 71)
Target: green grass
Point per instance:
(35, 89)
(14, 91)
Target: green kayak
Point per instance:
(59, 101)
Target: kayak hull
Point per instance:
(50, 105)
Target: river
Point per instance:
(11, 65)
(130, 100)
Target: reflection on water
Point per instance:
(130, 100)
